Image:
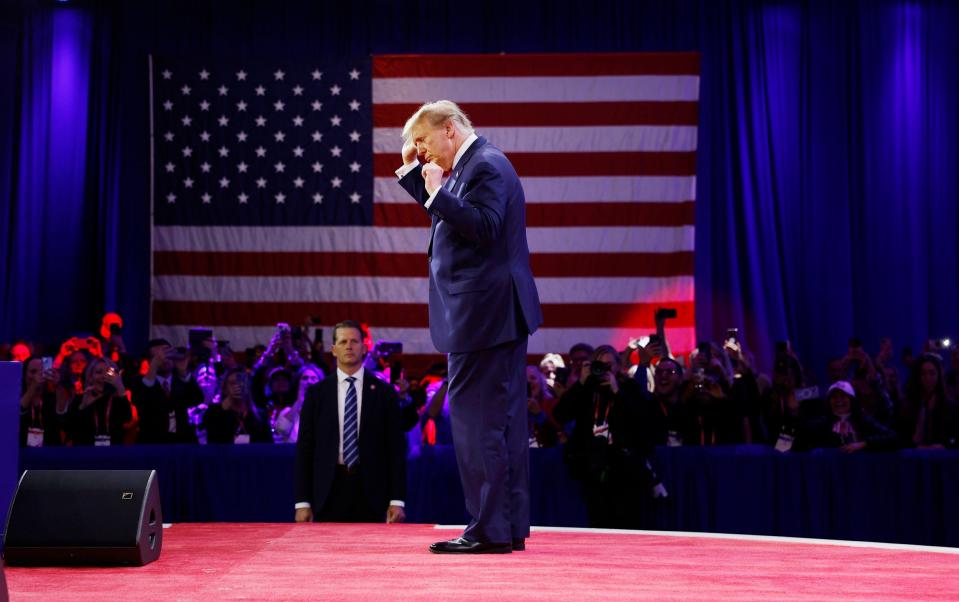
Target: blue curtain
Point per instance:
(827, 184)
(827, 192)
(61, 201)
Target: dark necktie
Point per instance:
(351, 448)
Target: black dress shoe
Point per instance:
(519, 544)
(466, 546)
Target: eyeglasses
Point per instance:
(665, 372)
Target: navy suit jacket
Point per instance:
(482, 291)
(382, 444)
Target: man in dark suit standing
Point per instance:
(351, 450)
(164, 396)
(483, 307)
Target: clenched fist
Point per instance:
(433, 174)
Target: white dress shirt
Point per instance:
(166, 382)
(342, 386)
(401, 172)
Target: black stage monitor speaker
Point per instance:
(92, 517)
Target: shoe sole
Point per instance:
(489, 551)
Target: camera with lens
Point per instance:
(598, 368)
(388, 348)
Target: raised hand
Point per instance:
(409, 152)
(433, 174)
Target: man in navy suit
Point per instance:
(483, 307)
(351, 449)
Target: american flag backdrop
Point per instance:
(274, 196)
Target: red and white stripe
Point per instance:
(605, 145)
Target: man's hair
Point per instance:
(603, 350)
(348, 324)
(438, 113)
(157, 343)
(581, 347)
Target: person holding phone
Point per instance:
(101, 414)
(280, 353)
(235, 420)
(41, 420)
(165, 394)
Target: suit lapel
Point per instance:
(330, 409)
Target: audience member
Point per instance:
(279, 393)
(101, 415)
(385, 361)
(719, 419)
(544, 430)
(164, 395)
(579, 354)
(555, 372)
(744, 388)
(671, 422)
(280, 353)
(608, 450)
(782, 408)
(286, 424)
(846, 426)
(434, 420)
(115, 349)
(236, 419)
(72, 369)
(928, 416)
(871, 393)
(41, 418)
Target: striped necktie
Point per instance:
(351, 448)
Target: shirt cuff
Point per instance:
(401, 172)
(149, 383)
(397, 503)
(429, 201)
(302, 505)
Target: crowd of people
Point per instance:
(609, 408)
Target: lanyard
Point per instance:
(36, 414)
(241, 422)
(609, 405)
(96, 415)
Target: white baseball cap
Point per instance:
(843, 386)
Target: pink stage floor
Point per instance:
(391, 562)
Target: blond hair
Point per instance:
(438, 113)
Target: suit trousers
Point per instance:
(487, 390)
(347, 503)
